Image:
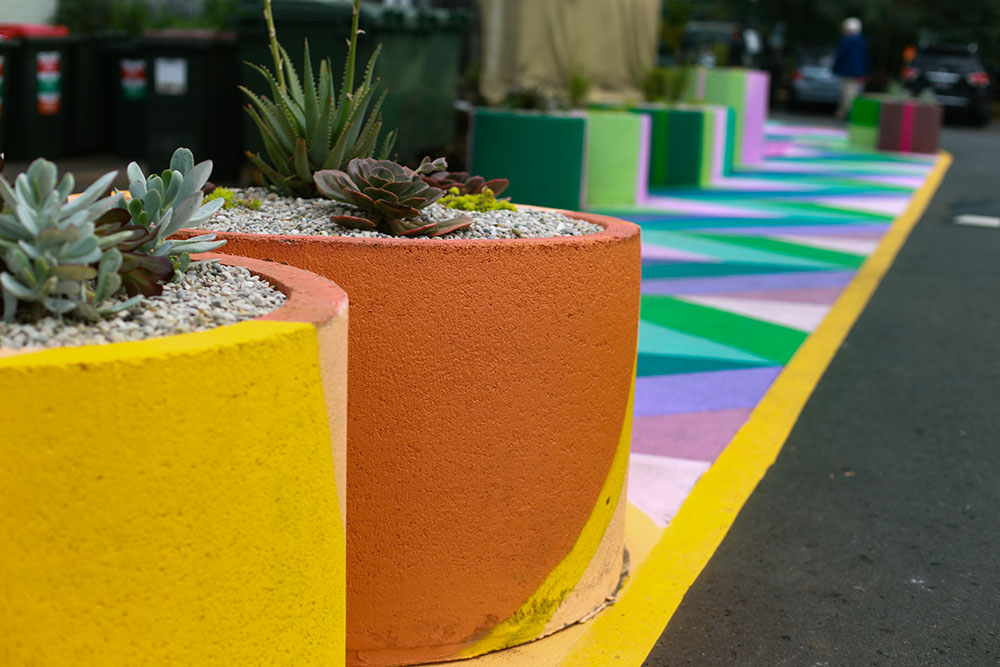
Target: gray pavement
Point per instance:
(875, 537)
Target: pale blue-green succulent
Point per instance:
(50, 253)
(168, 202)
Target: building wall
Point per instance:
(27, 11)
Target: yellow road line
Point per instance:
(626, 632)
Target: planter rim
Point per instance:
(310, 299)
(615, 229)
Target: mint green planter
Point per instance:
(617, 158)
(746, 91)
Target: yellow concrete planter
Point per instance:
(174, 501)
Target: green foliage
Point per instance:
(85, 16)
(578, 88)
(230, 200)
(484, 201)
(53, 260)
(534, 98)
(666, 84)
(433, 173)
(675, 17)
(165, 203)
(306, 129)
(136, 16)
(390, 194)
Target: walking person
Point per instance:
(851, 64)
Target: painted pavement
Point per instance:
(735, 277)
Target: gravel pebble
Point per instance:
(208, 295)
(285, 215)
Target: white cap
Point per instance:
(852, 25)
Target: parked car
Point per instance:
(956, 77)
(813, 80)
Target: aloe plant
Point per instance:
(390, 194)
(53, 261)
(306, 126)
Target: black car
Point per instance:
(957, 78)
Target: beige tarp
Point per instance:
(542, 43)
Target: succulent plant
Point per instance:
(391, 194)
(482, 202)
(164, 203)
(306, 126)
(229, 198)
(141, 273)
(434, 174)
(53, 259)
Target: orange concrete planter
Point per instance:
(489, 415)
(178, 500)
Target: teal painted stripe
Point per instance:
(727, 251)
(654, 339)
(657, 364)
(710, 269)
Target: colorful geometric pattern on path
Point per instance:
(735, 277)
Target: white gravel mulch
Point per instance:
(208, 295)
(285, 215)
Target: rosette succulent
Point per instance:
(390, 194)
(436, 173)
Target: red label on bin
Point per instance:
(48, 82)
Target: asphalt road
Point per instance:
(875, 537)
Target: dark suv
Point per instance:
(956, 76)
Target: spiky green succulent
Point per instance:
(391, 196)
(164, 203)
(434, 174)
(305, 125)
(53, 261)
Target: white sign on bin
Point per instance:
(170, 76)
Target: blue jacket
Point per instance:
(852, 57)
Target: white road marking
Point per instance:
(977, 220)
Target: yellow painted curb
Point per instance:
(625, 633)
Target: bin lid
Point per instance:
(15, 30)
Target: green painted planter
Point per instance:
(690, 145)
(862, 127)
(895, 124)
(743, 90)
(541, 153)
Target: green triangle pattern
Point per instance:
(832, 257)
(763, 339)
(655, 340)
